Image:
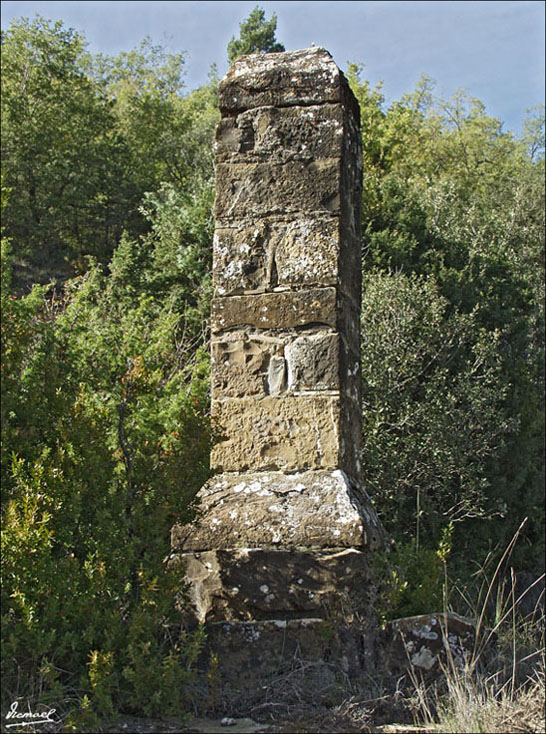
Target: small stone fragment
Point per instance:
(276, 376)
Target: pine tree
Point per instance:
(257, 35)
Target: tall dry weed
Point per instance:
(500, 692)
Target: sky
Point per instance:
(493, 49)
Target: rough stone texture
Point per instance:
(303, 77)
(276, 253)
(286, 272)
(260, 189)
(240, 364)
(320, 651)
(286, 434)
(283, 540)
(282, 253)
(266, 509)
(246, 363)
(262, 583)
(277, 434)
(282, 133)
(312, 363)
(429, 642)
(286, 310)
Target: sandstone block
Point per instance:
(284, 310)
(239, 365)
(261, 583)
(241, 258)
(282, 134)
(304, 77)
(277, 433)
(256, 364)
(313, 363)
(274, 253)
(321, 509)
(260, 189)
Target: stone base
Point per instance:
(245, 663)
(260, 584)
(311, 509)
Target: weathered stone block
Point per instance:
(261, 583)
(283, 664)
(312, 655)
(304, 77)
(284, 310)
(261, 189)
(277, 433)
(422, 642)
(281, 134)
(241, 259)
(252, 364)
(275, 253)
(239, 364)
(313, 363)
(321, 509)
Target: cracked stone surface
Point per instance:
(429, 641)
(276, 252)
(285, 310)
(305, 77)
(251, 653)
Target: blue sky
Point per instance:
(493, 49)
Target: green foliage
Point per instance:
(182, 227)
(453, 319)
(432, 406)
(257, 35)
(105, 419)
(411, 582)
(412, 578)
(85, 138)
(167, 136)
(59, 148)
(105, 426)
(534, 133)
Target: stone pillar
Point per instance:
(285, 525)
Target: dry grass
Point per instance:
(501, 693)
(478, 706)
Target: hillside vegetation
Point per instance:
(107, 194)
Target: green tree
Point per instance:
(433, 406)
(85, 138)
(105, 444)
(59, 148)
(453, 201)
(257, 35)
